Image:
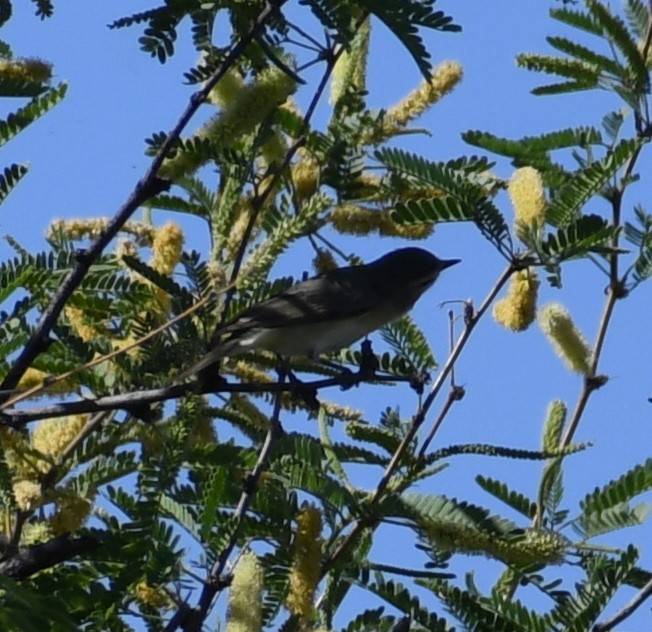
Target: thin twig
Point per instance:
(627, 610)
(150, 185)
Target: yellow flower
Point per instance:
(28, 494)
(350, 68)
(357, 220)
(71, 514)
(34, 377)
(81, 323)
(245, 596)
(305, 178)
(29, 69)
(306, 563)
(443, 80)
(150, 596)
(517, 310)
(525, 189)
(251, 105)
(167, 248)
(35, 532)
(324, 261)
(52, 436)
(225, 93)
(567, 340)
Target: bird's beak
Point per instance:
(447, 263)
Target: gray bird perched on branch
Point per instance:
(329, 311)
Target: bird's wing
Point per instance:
(323, 299)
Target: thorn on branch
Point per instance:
(595, 382)
(418, 381)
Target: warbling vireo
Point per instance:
(329, 311)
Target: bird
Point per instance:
(329, 311)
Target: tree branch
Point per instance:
(629, 609)
(26, 561)
(131, 402)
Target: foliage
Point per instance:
(171, 506)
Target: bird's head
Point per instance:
(409, 272)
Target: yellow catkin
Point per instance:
(567, 340)
(225, 93)
(525, 189)
(52, 436)
(536, 546)
(304, 576)
(35, 532)
(350, 68)
(443, 80)
(253, 103)
(150, 596)
(238, 230)
(357, 220)
(76, 229)
(70, 515)
(28, 494)
(33, 377)
(305, 177)
(245, 596)
(15, 447)
(29, 70)
(518, 309)
(81, 323)
(167, 248)
(324, 261)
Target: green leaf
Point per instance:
(601, 62)
(578, 71)
(517, 501)
(26, 115)
(643, 266)
(479, 613)
(638, 17)
(584, 235)
(400, 598)
(634, 482)
(381, 437)
(587, 182)
(9, 178)
(578, 19)
(407, 340)
(579, 612)
(404, 18)
(619, 516)
(612, 124)
(530, 145)
(616, 30)
(565, 87)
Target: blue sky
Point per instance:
(87, 154)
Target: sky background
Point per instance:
(86, 155)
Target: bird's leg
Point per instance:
(307, 394)
(368, 360)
